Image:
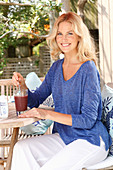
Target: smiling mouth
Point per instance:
(65, 45)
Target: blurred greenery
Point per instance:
(90, 12)
(33, 18)
(36, 48)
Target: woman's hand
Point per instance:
(35, 112)
(48, 114)
(17, 79)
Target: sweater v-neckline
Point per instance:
(74, 74)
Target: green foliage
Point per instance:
(33, 18)
(90, 12)
(3, 46)
(74, 5)
(36, 48)
(36, 51)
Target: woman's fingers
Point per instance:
(15, 79)
(34, 112)
(30, 113)
(18, 79)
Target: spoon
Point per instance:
(19, 88)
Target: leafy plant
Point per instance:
(21, 23)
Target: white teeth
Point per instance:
(64, 45)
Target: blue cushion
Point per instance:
(107, 111)
(41, 126)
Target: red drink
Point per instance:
(21, 103)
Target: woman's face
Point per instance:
(66, 38)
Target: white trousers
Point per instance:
(48, 152)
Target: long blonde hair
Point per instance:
(86, 48)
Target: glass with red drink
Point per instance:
(21, 100)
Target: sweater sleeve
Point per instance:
(41, 93)
(91, 99)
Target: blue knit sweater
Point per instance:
(79, 96)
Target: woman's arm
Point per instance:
(48, 114)
(90, 110)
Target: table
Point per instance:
(14, 122)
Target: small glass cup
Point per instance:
(21, 100)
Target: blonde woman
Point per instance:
(79, 138)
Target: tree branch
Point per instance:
(36, 35)
(81, 3)
(25, 32)
(6, 34)
(10, 4)
(80, 7)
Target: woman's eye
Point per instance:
(59, 33)
(70, 33)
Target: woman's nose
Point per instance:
(64, 37)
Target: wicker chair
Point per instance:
(7, 88)
(109, 160)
